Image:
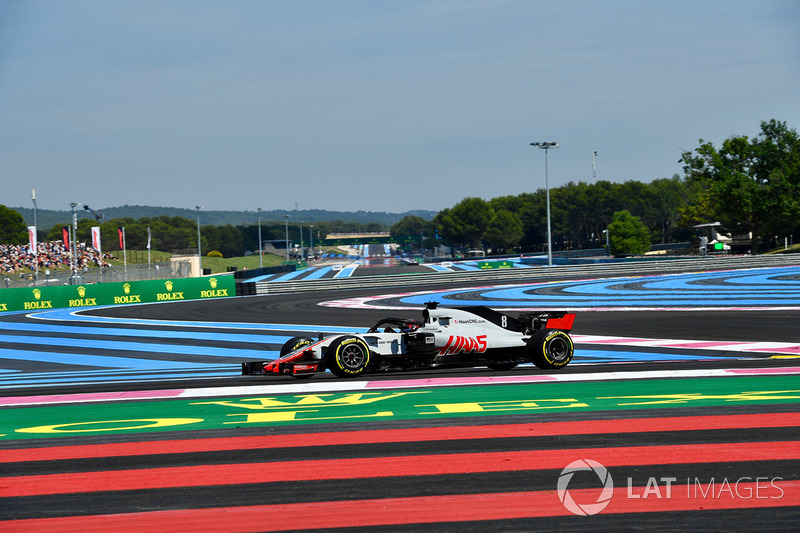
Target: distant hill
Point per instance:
(49, 218)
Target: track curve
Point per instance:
(437, 451)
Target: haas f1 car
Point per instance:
(445, 338)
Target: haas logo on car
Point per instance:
(457, 344)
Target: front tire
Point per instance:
(294, 344)
(551, 348)
(347, 357)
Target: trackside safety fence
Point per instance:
(135, 272)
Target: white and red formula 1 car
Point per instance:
(445, 338)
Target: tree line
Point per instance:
(580, 212)
(750, 185)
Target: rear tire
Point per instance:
(347, 357)
(551, 348)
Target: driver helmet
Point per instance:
(409, 327)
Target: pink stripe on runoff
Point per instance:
(477, 380)
(784, 370)
(91, 397)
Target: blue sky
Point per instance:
(373, 105)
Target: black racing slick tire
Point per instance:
(347, 356)
(551, 348)
(294, 344)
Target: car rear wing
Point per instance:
(563, 323)
(561, 320)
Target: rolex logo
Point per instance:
(127, 288)
(37, 293)
(81, 291)
(168, 284)
(213, 282)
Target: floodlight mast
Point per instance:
(546, 146)
(74, 243)
(36, 233)
(260, 251)
(286, 227)
(199, 250)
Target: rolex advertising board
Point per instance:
(127, 292)
(484, 265)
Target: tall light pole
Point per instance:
(36, 233)
(311, 236)
(302, 252)
(286, 224)
(546, 147)
(594, 167)
(199, 251)
(74, 243)
(260, 253)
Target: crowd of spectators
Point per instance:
(51, 255)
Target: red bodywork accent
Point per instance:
(304, 368)
(564, 323)
(271, 368)
(458, 344)
(274, 367)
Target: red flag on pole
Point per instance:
(33, 243)
(121, 239)
(65, 236)
(96, 239)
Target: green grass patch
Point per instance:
(795, 248)
(249, 262)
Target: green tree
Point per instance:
(12, 227)
(225, 239)
(698, 209)
(410, 225)
(668, 196)
(414, 231)
(627, 234)
(753, 185)
(777, 163)
(504, 231)
(465, 223)
(534, 221)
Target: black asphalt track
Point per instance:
(303, 309)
